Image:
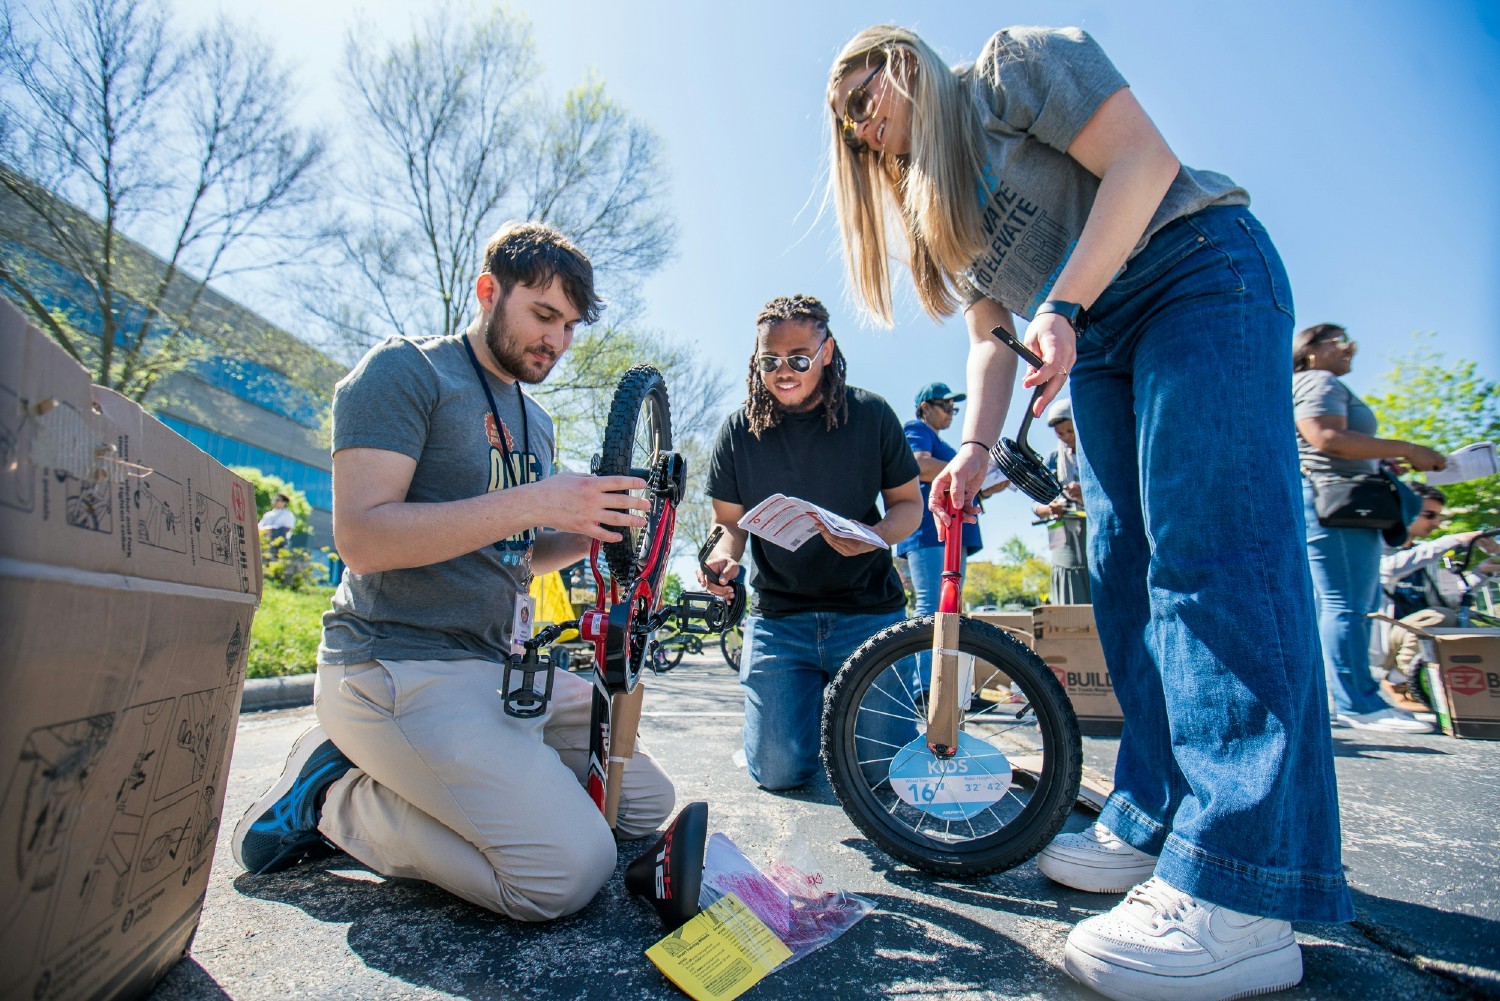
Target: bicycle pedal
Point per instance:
(527, 686)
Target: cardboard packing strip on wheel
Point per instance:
(129, 573)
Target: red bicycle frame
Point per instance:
(619, 655)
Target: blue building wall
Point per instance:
(316, 483)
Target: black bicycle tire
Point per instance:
(1055, 792)
(733, 660)
(639, 386)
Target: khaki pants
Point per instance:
(450, 790)
(1406, 646)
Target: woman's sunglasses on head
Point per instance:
(858, 107)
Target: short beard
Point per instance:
(511, 359)
(813, 401)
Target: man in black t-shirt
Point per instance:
(804, 433)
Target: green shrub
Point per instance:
(284, 635)
(293, 569)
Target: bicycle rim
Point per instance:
(638, 430)
(1006, 792)
(730, 643)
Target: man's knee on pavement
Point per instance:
(646, 808)
(782, 779)
(563, 879)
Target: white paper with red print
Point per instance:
(790, 521)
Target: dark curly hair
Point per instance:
(1307, 339)
(761, 408)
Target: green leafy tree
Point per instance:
(1018, 576)
(1445, 405)
(117, 127)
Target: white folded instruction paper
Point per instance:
(1471, 462)
(790, 521)
(993, 476)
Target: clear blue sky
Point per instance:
(1367, 131)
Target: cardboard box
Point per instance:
(1058, 622)
(129, 573)
(1066, 638)
(1462, 669)
(1017, 624)
(1078, 663)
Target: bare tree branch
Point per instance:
(112, 124)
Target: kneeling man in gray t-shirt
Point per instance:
(445, 504)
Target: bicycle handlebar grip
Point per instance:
(624, 721)
(943, 703)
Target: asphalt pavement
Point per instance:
(1421, 822)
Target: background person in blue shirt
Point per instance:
(923, 551)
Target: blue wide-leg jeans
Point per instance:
(785, 664)
(1198, 566)
(1346, 584)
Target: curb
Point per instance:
(277, 693)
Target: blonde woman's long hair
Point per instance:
(934, 191)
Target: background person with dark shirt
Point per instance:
(802, 432)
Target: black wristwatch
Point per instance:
(1076, 315)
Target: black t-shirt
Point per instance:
(845, 471)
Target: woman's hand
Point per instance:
(1054, 341)
(957, 486)
(1424, 459)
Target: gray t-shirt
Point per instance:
(423, 399)
(1035, 89)
(1317, 393)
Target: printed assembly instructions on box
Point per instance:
(789, 522)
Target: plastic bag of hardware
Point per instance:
(791, 896)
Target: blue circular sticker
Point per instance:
(974, 779)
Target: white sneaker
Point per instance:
(1095, 860)
(1388, 719)
(1160, 944)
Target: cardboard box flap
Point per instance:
(1063, 621)
(96, 483)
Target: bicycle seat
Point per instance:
(670, 874)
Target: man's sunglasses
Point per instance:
(858, 107)
(797, 363)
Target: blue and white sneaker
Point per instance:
(281, 828)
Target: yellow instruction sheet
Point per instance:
(720, 953)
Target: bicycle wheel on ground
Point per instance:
(999, 799)
(638, 430)
(671, 645)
